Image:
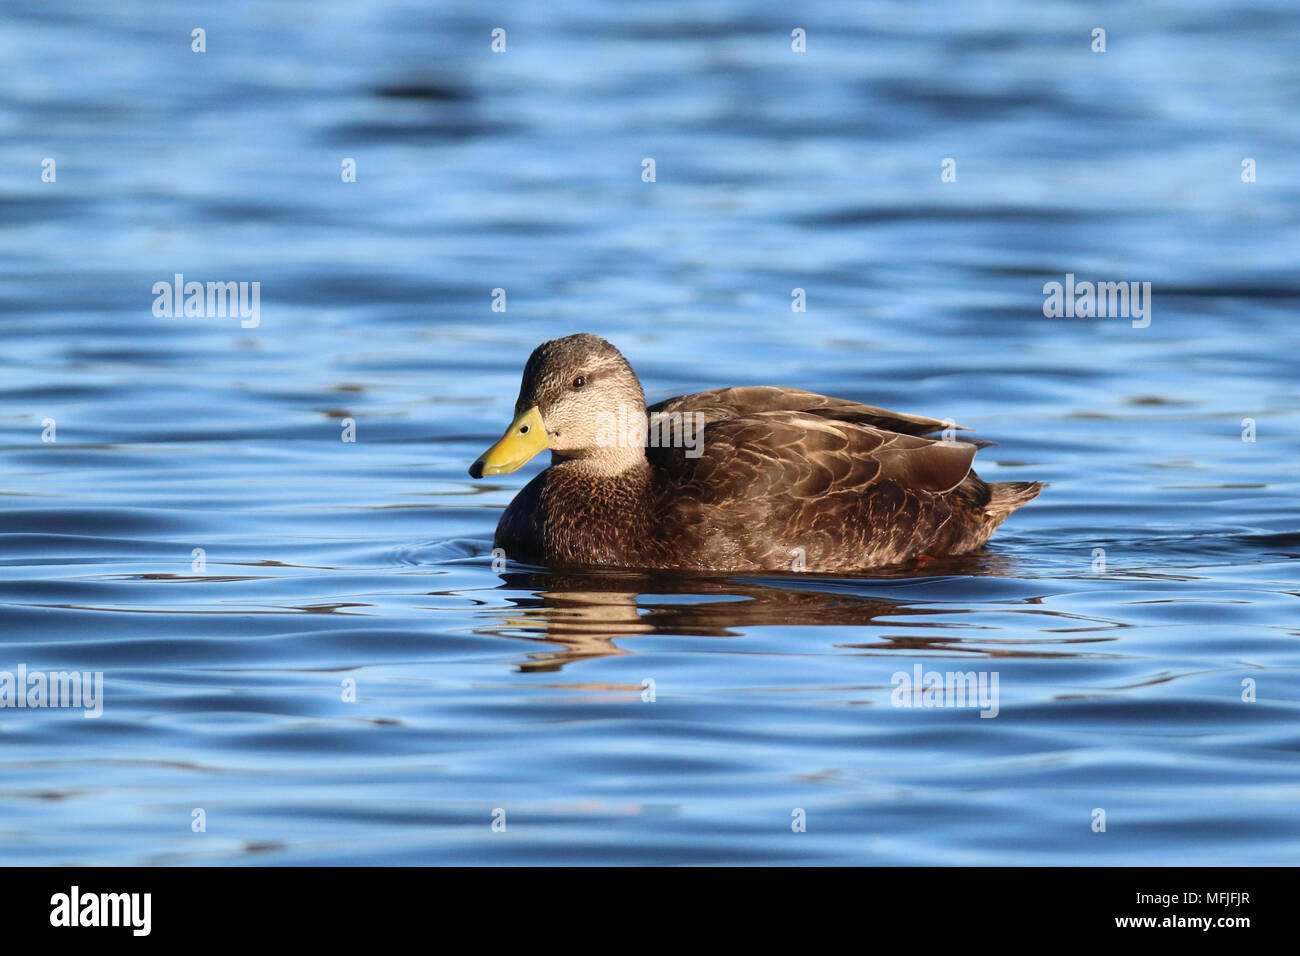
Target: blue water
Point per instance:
(1121, 611)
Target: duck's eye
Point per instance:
(580, 381)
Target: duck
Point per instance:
(740, 479)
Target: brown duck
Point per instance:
(735, 479)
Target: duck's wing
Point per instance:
(805, 456)
(722, 404)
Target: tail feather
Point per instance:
(1006, 496)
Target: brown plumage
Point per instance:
(758, 478)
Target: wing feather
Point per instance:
(802, 455)
(720, 404)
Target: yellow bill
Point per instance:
(525, 437)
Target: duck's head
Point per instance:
(579, 398)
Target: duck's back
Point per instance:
(822, 487)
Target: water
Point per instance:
(1121, 670)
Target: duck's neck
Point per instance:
(610, 462)
(595, 511)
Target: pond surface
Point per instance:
(178, 509)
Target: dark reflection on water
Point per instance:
(200, 533)
(585, 612)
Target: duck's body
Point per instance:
(777, 479)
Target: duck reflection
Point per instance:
(586, 612)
